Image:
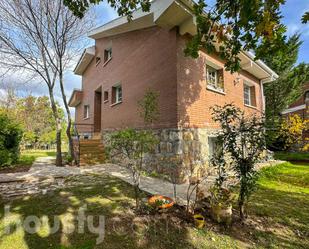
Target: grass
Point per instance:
(292, 156)
(26, 159)
(281, 203)
(278, 218)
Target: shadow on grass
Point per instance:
(112, 199)
(278, 218)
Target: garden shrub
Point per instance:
(10, 137)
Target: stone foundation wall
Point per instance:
(184, 146)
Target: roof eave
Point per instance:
(85, 59)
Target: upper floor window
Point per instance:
(214, 78)
(107, 54)
(249, 95)
(105, 96)
(117, 94)
(86, 111)
(97, 60)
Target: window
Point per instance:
(249, 95)
(307, 96)
(213, 146)
(117, 94)
(214, 78)
(97, 60)
(105, 96)
(86, 111)
(107, 54)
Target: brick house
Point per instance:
(301, 108)
(130, 57)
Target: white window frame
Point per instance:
(109, 53)
(247, 86)
(118, 94)
(86, 111)
(212, 80)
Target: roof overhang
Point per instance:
(76, 98)
(256, 67)
(84, 60)
(169, 14)
(294, 109)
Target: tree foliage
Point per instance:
(36, 119)
(124, 8)
(286, 89)
(242, 137)
(305, 18)
(290, 132)
(10, 137)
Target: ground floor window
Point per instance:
(86, 111)
(249, 95)
(117, 94)
(214, 146)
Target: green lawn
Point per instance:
(278, 218)
(25, 160)
(292, 156)
(27, 157)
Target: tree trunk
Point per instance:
(241, 210)
(69, 125)
(58, 127)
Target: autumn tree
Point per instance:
(286, 89)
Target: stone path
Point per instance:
(44, 176)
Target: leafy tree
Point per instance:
(242, 137)
(286, 89)
(290, 132)
(10, 137)
(36, 119)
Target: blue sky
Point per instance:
(292, 12)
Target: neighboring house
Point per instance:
(147, 53)
(301, 108)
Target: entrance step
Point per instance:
(91, 152)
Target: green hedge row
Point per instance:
(10, 137)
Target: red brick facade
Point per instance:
(153, 58)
